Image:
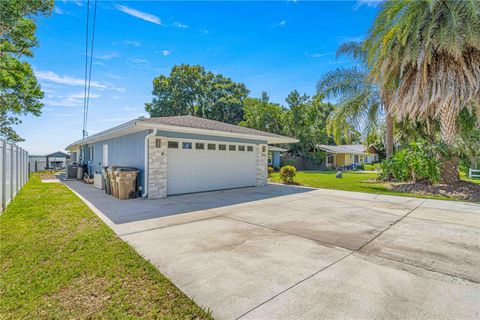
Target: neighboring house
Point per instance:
(349, 155)
(274, 156)
(182, 154)
(57, 160)
(37, 163)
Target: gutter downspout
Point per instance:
(147, 155)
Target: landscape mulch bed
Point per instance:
(47, 176)
(462, 191)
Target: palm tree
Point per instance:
(428, 53)
(361, 103)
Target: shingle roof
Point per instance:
(348, 148)
(207, 124)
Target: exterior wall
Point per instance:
(346, 159)
(276, 159)
(158, 164)
(128, 150)
(157, 168)
(261, 165)
(340, 160)
(181, 135)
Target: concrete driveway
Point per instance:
(281, 252)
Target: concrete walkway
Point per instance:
(283, 252)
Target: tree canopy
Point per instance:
(261, 114)
(428, 53)
(191, 90)
(20, 92)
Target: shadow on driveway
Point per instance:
(124, 211)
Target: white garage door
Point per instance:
(195, 166)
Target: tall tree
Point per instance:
(361, 103)
(306, 120)
(20, 92)
(261, 114)
(429, 53)
(191, 90)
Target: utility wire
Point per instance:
(86, 69)
(91, 58)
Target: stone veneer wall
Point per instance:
(261, 165)
(157, 168)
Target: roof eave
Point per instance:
(171, 128)
(110, 133)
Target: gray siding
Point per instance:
(181, 135)
(128, 150)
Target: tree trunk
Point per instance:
(448, 130)
(389, 135)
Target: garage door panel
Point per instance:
(204, 170)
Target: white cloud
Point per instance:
(204, 30)
(57, 10)
(282, 23)
(180, 25)
(66, 80)
(368, 3)
(166, 52)
(138, 60)
(70, 100)
(107, 56)
(132, 43)
(317, 55)
(139, 14)
(52, 77)
(127, 108)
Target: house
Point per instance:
(57, 160)
(181, 154)
(274, 156)
(349, 155)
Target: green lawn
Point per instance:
(351, 181)
(59, 261)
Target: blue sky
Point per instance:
(269, 46)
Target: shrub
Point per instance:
(417, 162)
(371, 167)
(287, 173)
(270, 171)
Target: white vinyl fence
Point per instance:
(13, 171)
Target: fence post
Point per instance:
(3, 153)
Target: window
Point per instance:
(200, 146)
(232, 147)
(173, 144)
(249, 148)
(90, 153)
(241, 148)
(186, 145)
(222, 147)
(211, 146)
(270, 158)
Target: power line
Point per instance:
(91, 57)
(86, 69)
